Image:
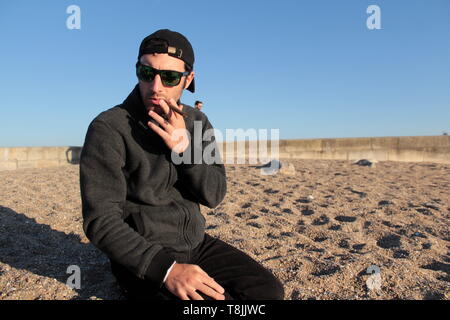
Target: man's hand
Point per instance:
(173, 128)
(185, 279)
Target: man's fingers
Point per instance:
(162, 133)
(163, 122)
(173, 105)
(211, 292)
(183, 296)
(195, 296)
(165, 108)
(213, 284)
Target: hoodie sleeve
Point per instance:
(203, 172)
(103, 193)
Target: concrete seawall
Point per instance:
(413, 149)
(37, 157)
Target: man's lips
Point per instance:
(154, 101)
(156, 107)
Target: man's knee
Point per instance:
(269, 288)
(275, 289)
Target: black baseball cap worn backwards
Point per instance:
(171, 42)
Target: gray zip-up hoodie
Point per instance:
(138, 207)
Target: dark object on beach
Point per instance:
(335, 227)
(344, 244)
(363, 162)
(326, 270)
(345, 219)
(430, 206)
(424, 211)
(389, 242)
(254, 224)
(426, 246)
(360, 193)
(323, 219)
(273, 164)
(307, 212)
(419, 235)
(383, 203)
(359, 246)
(401, 254)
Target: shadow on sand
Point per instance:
(28, 245)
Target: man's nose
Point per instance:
(156, 85)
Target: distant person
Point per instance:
(142, 209)
(198, 105)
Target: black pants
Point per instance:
(242, 277)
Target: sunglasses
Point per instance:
(169, 78)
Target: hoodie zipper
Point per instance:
(185, 227)
(185, 210)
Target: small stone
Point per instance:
(389, 241)
(419, 234)
(401, 254)
(384, 203)
(345, 219)
(335, 227)
(424, 211)
(430, 206)
(254, 224)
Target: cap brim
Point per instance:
(191, 87)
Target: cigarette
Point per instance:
(177, 111)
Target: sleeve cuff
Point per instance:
(168, 271)
(158, 267)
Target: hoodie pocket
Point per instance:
(160, 224)
(195, 228)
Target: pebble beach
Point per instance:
(318, 228)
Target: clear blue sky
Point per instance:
(310, 68)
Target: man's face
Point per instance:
(199, 106)
(152, 91)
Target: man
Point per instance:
(198, 105)
(141, 208)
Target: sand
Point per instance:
(318, 231)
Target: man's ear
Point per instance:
(189, 79)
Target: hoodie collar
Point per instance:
(134, 105)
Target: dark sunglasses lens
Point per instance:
(171, 78)
(145, 73)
